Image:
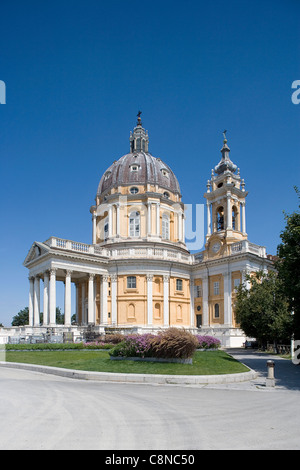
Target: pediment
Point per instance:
(36, 251)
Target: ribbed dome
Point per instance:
(139, 168)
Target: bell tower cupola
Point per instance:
(225, 199)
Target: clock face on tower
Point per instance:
(216, 246)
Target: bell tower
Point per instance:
(225, 199)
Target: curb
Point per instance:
(136, 378)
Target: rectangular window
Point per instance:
(216, 288)
(131, 282)
(236, 282)
(178, 284)
(198, 291)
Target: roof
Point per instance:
(139, 168)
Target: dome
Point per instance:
(139, 167)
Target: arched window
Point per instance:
(134, 224)
(234, 216)
(220, 219)
(217, 311)
(166, 226)
(106, 229)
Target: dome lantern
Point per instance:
(139, 140)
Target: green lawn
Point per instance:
(204, 363)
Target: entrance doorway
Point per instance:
(199, 320)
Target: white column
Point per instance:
(192, 307)
(157, 219)
(110, 222)
(149, 218)
(229, 214)
(166, 301)
(208, 219)
(103, 300)
(52, 297)
(77, 303)
(91, 313)
(183, 228)
(46, 299)
(114, 280)
(68, 299)
(36, 302)
(149, 300)
(31, 296)
(118, 220)
(94, 228)
(205, 319)
(83, 319)
(179, 228)
(244, 217)
(227, 299)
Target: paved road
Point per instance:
(287, 374)
(40, 411)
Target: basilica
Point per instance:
(137, 274)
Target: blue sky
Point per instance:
(76, 73)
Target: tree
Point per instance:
(60, 317)
(288, 265)
(263, 310)
(22, 318)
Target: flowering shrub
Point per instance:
(208, 342)
(172, 343)
(134, 346)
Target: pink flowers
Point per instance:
(208, 342)
(171, 343)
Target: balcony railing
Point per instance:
(119, 253)
(244, 246)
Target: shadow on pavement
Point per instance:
(287, 374)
